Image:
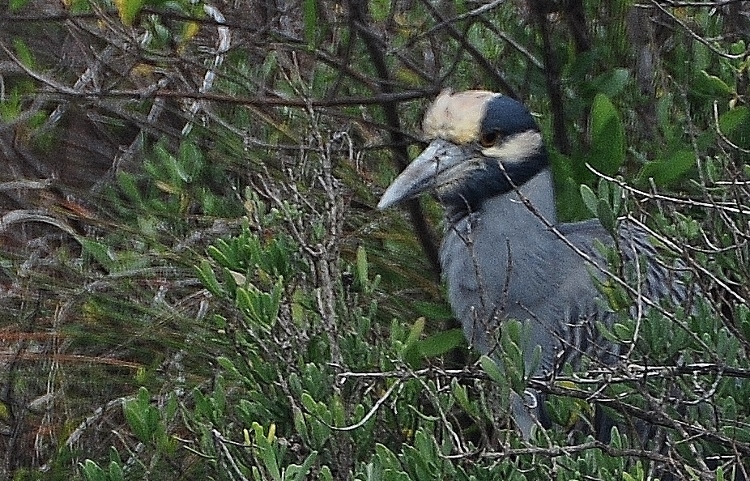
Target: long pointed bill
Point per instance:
(422, 174)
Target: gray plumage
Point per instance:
(488, 166)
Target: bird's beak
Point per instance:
(424, 172)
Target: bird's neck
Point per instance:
(540, 193)
(533, 198)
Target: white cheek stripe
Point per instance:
(517, 148)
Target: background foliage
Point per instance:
(196, 285)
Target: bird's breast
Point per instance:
(495, 271)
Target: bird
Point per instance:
(504, 255)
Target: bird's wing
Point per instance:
(648, 275)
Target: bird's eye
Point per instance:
(488, 139)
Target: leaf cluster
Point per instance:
(198, 285)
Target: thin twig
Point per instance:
(370, 413)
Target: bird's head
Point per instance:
(482, 144)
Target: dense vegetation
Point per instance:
(196, 285)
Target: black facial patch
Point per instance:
(507, 116)
(485, 183)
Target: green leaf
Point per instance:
(412, 354)
(380, 9)
(535, 361)
(738, 47)
(440, 343)
(490, 367)
(606, 216)
(295, 472)
(100, 252)
(461, 395)
(16, 5)
(667, 172)
(433, 346)
(115, 472)
(265, 448)
(615, 438)
(589, 198)
(221, 254)
(513, 329)
(309, 403)
(310, 20)
(611, 83)
(623, 332)
(300, 425)
(569, 176)
(739, 434)
(228, 365)
(743, 314)
(735, 124)
(129, 10)
(387, 459)
(611, 192)
(260, 307)
(24, 54)
(142, 418)
(325, 474)
(188, 164)
(570, 206)
(10, 106)
(128, 185)
(510, 342)
(607, 137)
(92, 471)
(710, 86)
(208, 278)
(416, 331)
(434, 311)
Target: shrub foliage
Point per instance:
(196, 284)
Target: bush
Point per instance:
(198, 286)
